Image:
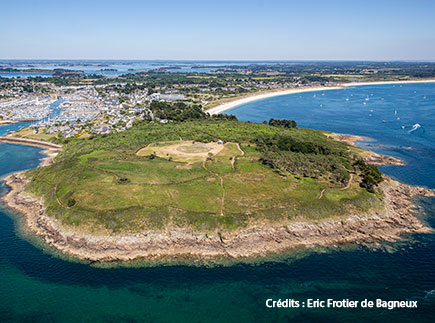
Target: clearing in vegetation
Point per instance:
(183, 151)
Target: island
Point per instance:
(210, 187)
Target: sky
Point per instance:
(218, 30)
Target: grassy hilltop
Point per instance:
(155, 176)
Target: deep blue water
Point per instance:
(412, 103)
(36, 286)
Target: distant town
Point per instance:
(65, 104)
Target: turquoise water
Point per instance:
(36, 286)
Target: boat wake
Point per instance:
(414, 127)
(429, 294)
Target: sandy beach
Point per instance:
(50, 150)
(6, 122)
(30, 142)
(229, 105)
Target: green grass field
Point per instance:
(102, 183)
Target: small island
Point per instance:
(210, 187)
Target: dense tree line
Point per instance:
(306, 157)
(288, 141)
(329, 167)
(311, 157)
(283, 123)
(180, 111)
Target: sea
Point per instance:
(112, 68)
(38, 285)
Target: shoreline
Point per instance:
(6, 122)
(257, 240)
(255, 97)
(30, 142)
(370, 157)
(50, 150)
